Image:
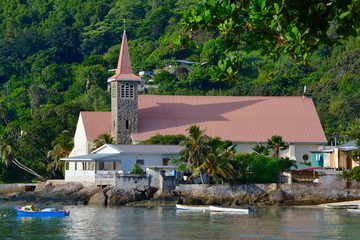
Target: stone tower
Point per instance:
(124, 97)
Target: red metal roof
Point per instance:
(240, 119)
(96, 123)
(124, 68)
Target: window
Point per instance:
(127, 123)
(127, 91)
(67, 165)
(317, 157)
(305, 157)
(140, 161)
(165, 161)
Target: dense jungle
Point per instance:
(55, 56)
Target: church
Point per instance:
(245, 120)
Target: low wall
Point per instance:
(131, 181)
(330, 189)
(16, 188)
(167, 183)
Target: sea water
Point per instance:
(87, 222)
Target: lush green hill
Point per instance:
(54, 57)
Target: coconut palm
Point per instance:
(104, 138)
(7, 153)
(62, 146)
(194, 148)
(261, 150)
(276, 144)
(216, 163)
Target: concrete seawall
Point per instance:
(16, 188)
(330, 189)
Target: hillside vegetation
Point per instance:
(55, 56)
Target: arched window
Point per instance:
(127, 90)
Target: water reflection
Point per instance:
(86, 222)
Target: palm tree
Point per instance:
(261, 150)
(104, 138)
(62, 146)
(194, 148)
(216, 163)
(276, 144)
(6, 153)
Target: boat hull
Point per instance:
(60, 213)
(353, 210)
(214, 209)
(348, 206)
(192, 207)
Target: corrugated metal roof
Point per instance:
(240, 119)
(96, 123)
(90, 157)
(149, 149)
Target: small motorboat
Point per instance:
(353, 210)
(192, 207)
(341, 206)
(31, 211)
(214, 209)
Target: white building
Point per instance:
(105, 165)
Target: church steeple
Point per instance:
(124, 68)
(124, 97)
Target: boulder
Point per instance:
(98, 198)
(40, 186)
(122, 197)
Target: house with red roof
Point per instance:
(246, 121)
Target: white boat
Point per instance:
(228, 210)
(341, 206)
(353, 210)
(192, 207)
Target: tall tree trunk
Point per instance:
(23, 167)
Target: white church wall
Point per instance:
(80, 140)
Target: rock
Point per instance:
(98, 198)
(122, 197)
(40, 186)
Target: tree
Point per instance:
(194, 148)
(104, 138)
(7, 152)
(292, 28)
(261, 149)
(165, 140)
(137, 169)
(276, 144)
(216, 162)
(62, 146)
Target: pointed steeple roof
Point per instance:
(124, 68)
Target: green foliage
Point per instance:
(257, 168)
(137, 169)
(276, 144)
(353, 174)
(165, 140)
(96, 98)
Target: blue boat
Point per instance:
(31, 211)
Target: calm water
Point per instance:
(87, 222)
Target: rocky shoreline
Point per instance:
(226, 195)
